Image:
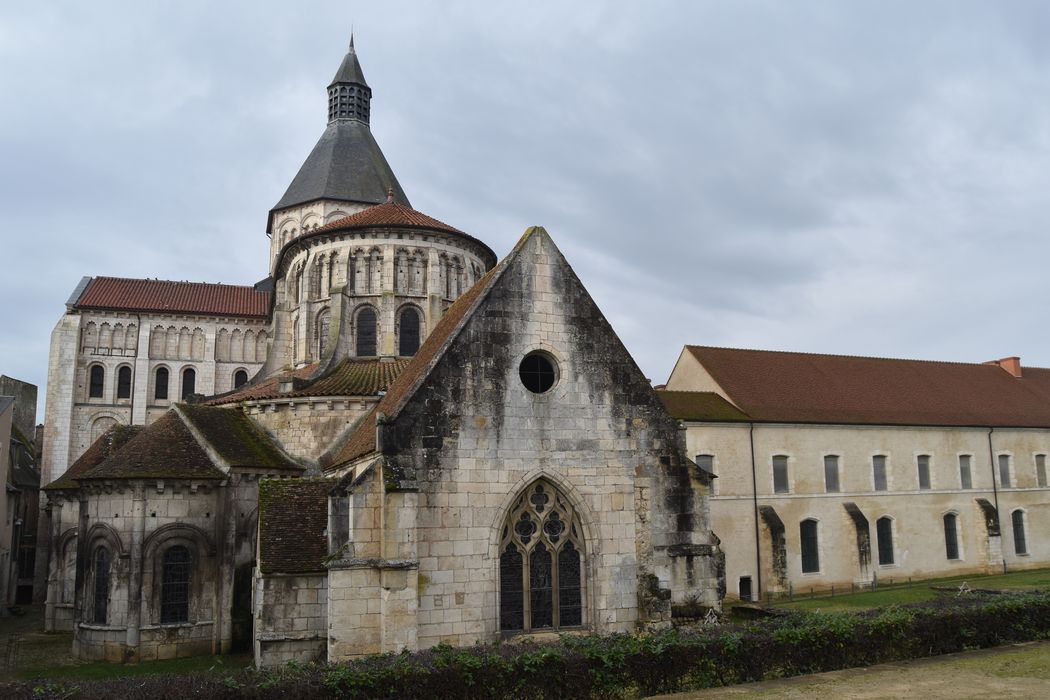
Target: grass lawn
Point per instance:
(101, 670)
(918, 591)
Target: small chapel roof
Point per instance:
(293, 522)
(167, 296)
(351, 377)
(794, 387)
(239, 441)
(107, 443)
(165, 449)
(700, 405)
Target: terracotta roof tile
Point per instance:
(163, 450)
(293, 520)
(700, 405)
(351, 377)
(107, 443)
(811, 388)
(388, 214)
(174, 297)
(237, 439)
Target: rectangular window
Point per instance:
(707, 464)
(923, 462)
(809, 546)
(878, 469)
(780, 474)
(745, 588)
(1020, 543)
(951, 536)
(884, 531)
(1004, 471)
(831, 473)
(1040, 470)
(965, 480)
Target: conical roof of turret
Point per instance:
(346, 164)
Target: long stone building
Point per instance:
(426, 446)
(836, 471)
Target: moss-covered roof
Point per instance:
(351, 377)
(164, 450)
(293, 525)
(237, 439)
(700, 406)
(107, 443)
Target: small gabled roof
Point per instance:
(100, 450)
(351, 377)
(164, 450)
(293, 522)
(123, 294)
(699, 406)
(237, 439)
(794, 387)
(363, 440)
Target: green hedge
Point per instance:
(618, 665)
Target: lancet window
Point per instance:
(541, 563)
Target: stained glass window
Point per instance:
(541, 584)
(101, 586)
(175, 586)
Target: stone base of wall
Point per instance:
(59, 618)
(277, 651)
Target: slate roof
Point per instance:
(795, 387)
(350, 69)
(173, 297)
(347, 165)
(351, 377)
(293, 522)
(100, 450)
(237, 439)
(164, 450)
(363, 440)
(700, 405)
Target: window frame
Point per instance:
(1039, 458)
(710, 458)
(366, 308)
(233, 380)
(191, 373)
(96, 381)
(169, 589)
(923, 469)
(785, 487)
(832, 468)
(955, 536)
(417, 314)
(157, 384)
(1019, 520)
(1008, 483)
(965, 484)
(885, 544)
(875, 472)
(814, 540)
(125, 382)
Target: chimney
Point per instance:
(1010, 364)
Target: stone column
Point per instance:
(135, 565)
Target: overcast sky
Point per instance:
(858, 178)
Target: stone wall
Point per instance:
(291, 618)
(306, 428)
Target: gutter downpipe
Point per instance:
(754, 501)
(995, 494)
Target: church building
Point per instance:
(394, 440)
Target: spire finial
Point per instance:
(351, 38)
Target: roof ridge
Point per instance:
(160, 281)
(851, 357)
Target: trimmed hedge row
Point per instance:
(615, 666)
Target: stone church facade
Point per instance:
(418, 445)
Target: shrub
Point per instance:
(617, 665)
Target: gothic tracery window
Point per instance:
(541, 560)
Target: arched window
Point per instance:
(541, 559)
(101, 597)
(810, 546)
(124, 382)
(366, 332)
(951, 535)
(1020, 541)
(160, 384)
(175, 585)
(884, 531)
(240, 377)
(408, 341)
(323, 324)
(189, 382)
(97, 382)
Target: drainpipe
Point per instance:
(995, 494)
(757, 593)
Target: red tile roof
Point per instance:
(795, 387)
(351, 377)
(174, 297)
(389, 214)
(293, 522)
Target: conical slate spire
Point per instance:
(349, 96)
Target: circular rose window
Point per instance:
(538, 372)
